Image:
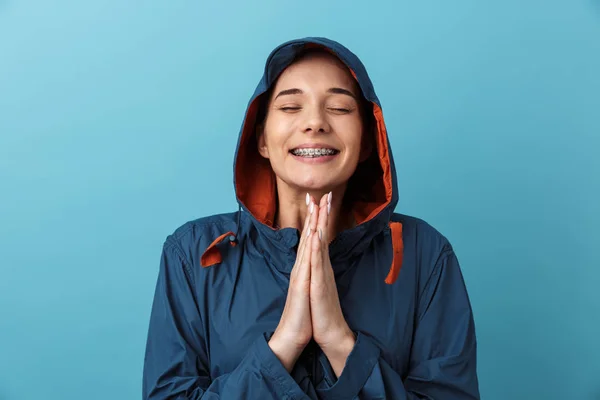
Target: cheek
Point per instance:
(352, 137)
(277, 134)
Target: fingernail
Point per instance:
(312, 207)
(308, 232)
(307, 198)
(329, 198)
(320, 234)
(328, 208)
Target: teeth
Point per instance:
(313, 152)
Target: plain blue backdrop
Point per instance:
(118, 122)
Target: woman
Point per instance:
(315, 289)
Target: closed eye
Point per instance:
(341, 110)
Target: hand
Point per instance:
(294, 330)
(329, 327)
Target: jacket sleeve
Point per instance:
(176, 363)
(443, 354)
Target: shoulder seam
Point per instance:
(445, 253)
(174, 245)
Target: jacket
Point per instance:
(223, 279)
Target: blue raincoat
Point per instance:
(223, 283)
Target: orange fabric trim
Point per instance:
(384, 158)
(212, 255)
(255, 179)
(398, 247)
(365, 211)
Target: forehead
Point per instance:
(317, 69)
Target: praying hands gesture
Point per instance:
(312, 308)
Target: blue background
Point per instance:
(118, 122)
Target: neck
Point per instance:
(292, 209)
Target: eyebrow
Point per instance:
(334, 90)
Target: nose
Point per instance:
(316, 122)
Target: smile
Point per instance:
(313, 153)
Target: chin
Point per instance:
(314, 182)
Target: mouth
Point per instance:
(314, 152)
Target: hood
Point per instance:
(372, 192)
(254, 179)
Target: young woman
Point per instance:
(315, 288)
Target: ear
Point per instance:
(261, 142)
(367, 142)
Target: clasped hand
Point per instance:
(312, 308)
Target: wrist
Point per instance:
(342, 344)
(287, 354)
(337, 353)
(336, 340)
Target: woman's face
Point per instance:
(313, 128)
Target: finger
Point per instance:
(319, 234)
(305, 232)
(304, 237)
(315, 246)
(329, 200)
(323, 217)
(323, 233)
(303, 272)
(316, 260)
(315, 215)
